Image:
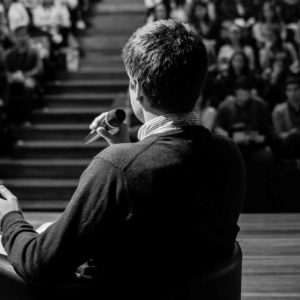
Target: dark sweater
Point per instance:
(150, 212)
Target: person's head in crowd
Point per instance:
(21, 37)
(293, 91)
(281, 62)
(198, 12)
(162, 10)
(242, 90)
(269, 12)
(272, 37)
(239, 64)
(234, 34)
(167, 63)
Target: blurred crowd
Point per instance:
(252, 90)
(37, 38)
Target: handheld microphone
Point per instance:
(113, 119)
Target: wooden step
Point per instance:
(119, 8)
(102, 101)
(46, 189)
(66, 115)
(87, 86)
(42, 168)
(107, 24)
(94, 61)
(57, 149)
(58, 132)
(114, 72)
(104, 42)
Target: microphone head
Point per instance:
(116, 117)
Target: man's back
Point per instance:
(185, 191)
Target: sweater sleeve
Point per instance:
(94, 212)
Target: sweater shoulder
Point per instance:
(120, 155)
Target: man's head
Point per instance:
(293, 90)
(167, 60)
(242, 89)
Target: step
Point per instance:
(58, 132)
(106, 24)
(104, 44)
(87, 86)
(119, 8)
(42, 168)
(57, 149)
(116, 72)
(67, 115)
(103, 101)
(94, 61)
(46, 189)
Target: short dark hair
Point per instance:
(169, 61)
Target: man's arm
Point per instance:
(91, 217)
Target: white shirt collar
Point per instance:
(166, 123)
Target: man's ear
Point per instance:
(139, 93)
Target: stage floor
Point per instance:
(271, 248)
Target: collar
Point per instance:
(166, 123)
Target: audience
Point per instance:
(17, 15)
(235, 43)
(254, 41)
(274, 45)
(37, 38)
(286, 120)
(246, 120)
(24, 68)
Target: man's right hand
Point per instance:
(120, 135)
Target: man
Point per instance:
(24, 67)
(150, 214)
(286, 120)
(247, 121)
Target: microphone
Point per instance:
(113, 119)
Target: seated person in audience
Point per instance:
(160, 11)
(53, 18)
(235, 43)
(286, 120)
(289, 11)
(179, 10)
(200, 18)
(239, 67)
(268, 17)
(215, 89)
(246, 120)
(24, 68)
(273, 45)
(236, 9)
(274, 78)
(207, 27)
(17, 15)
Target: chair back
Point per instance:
(220, 283)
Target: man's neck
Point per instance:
(149, 115)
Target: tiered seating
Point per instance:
(50, 155)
